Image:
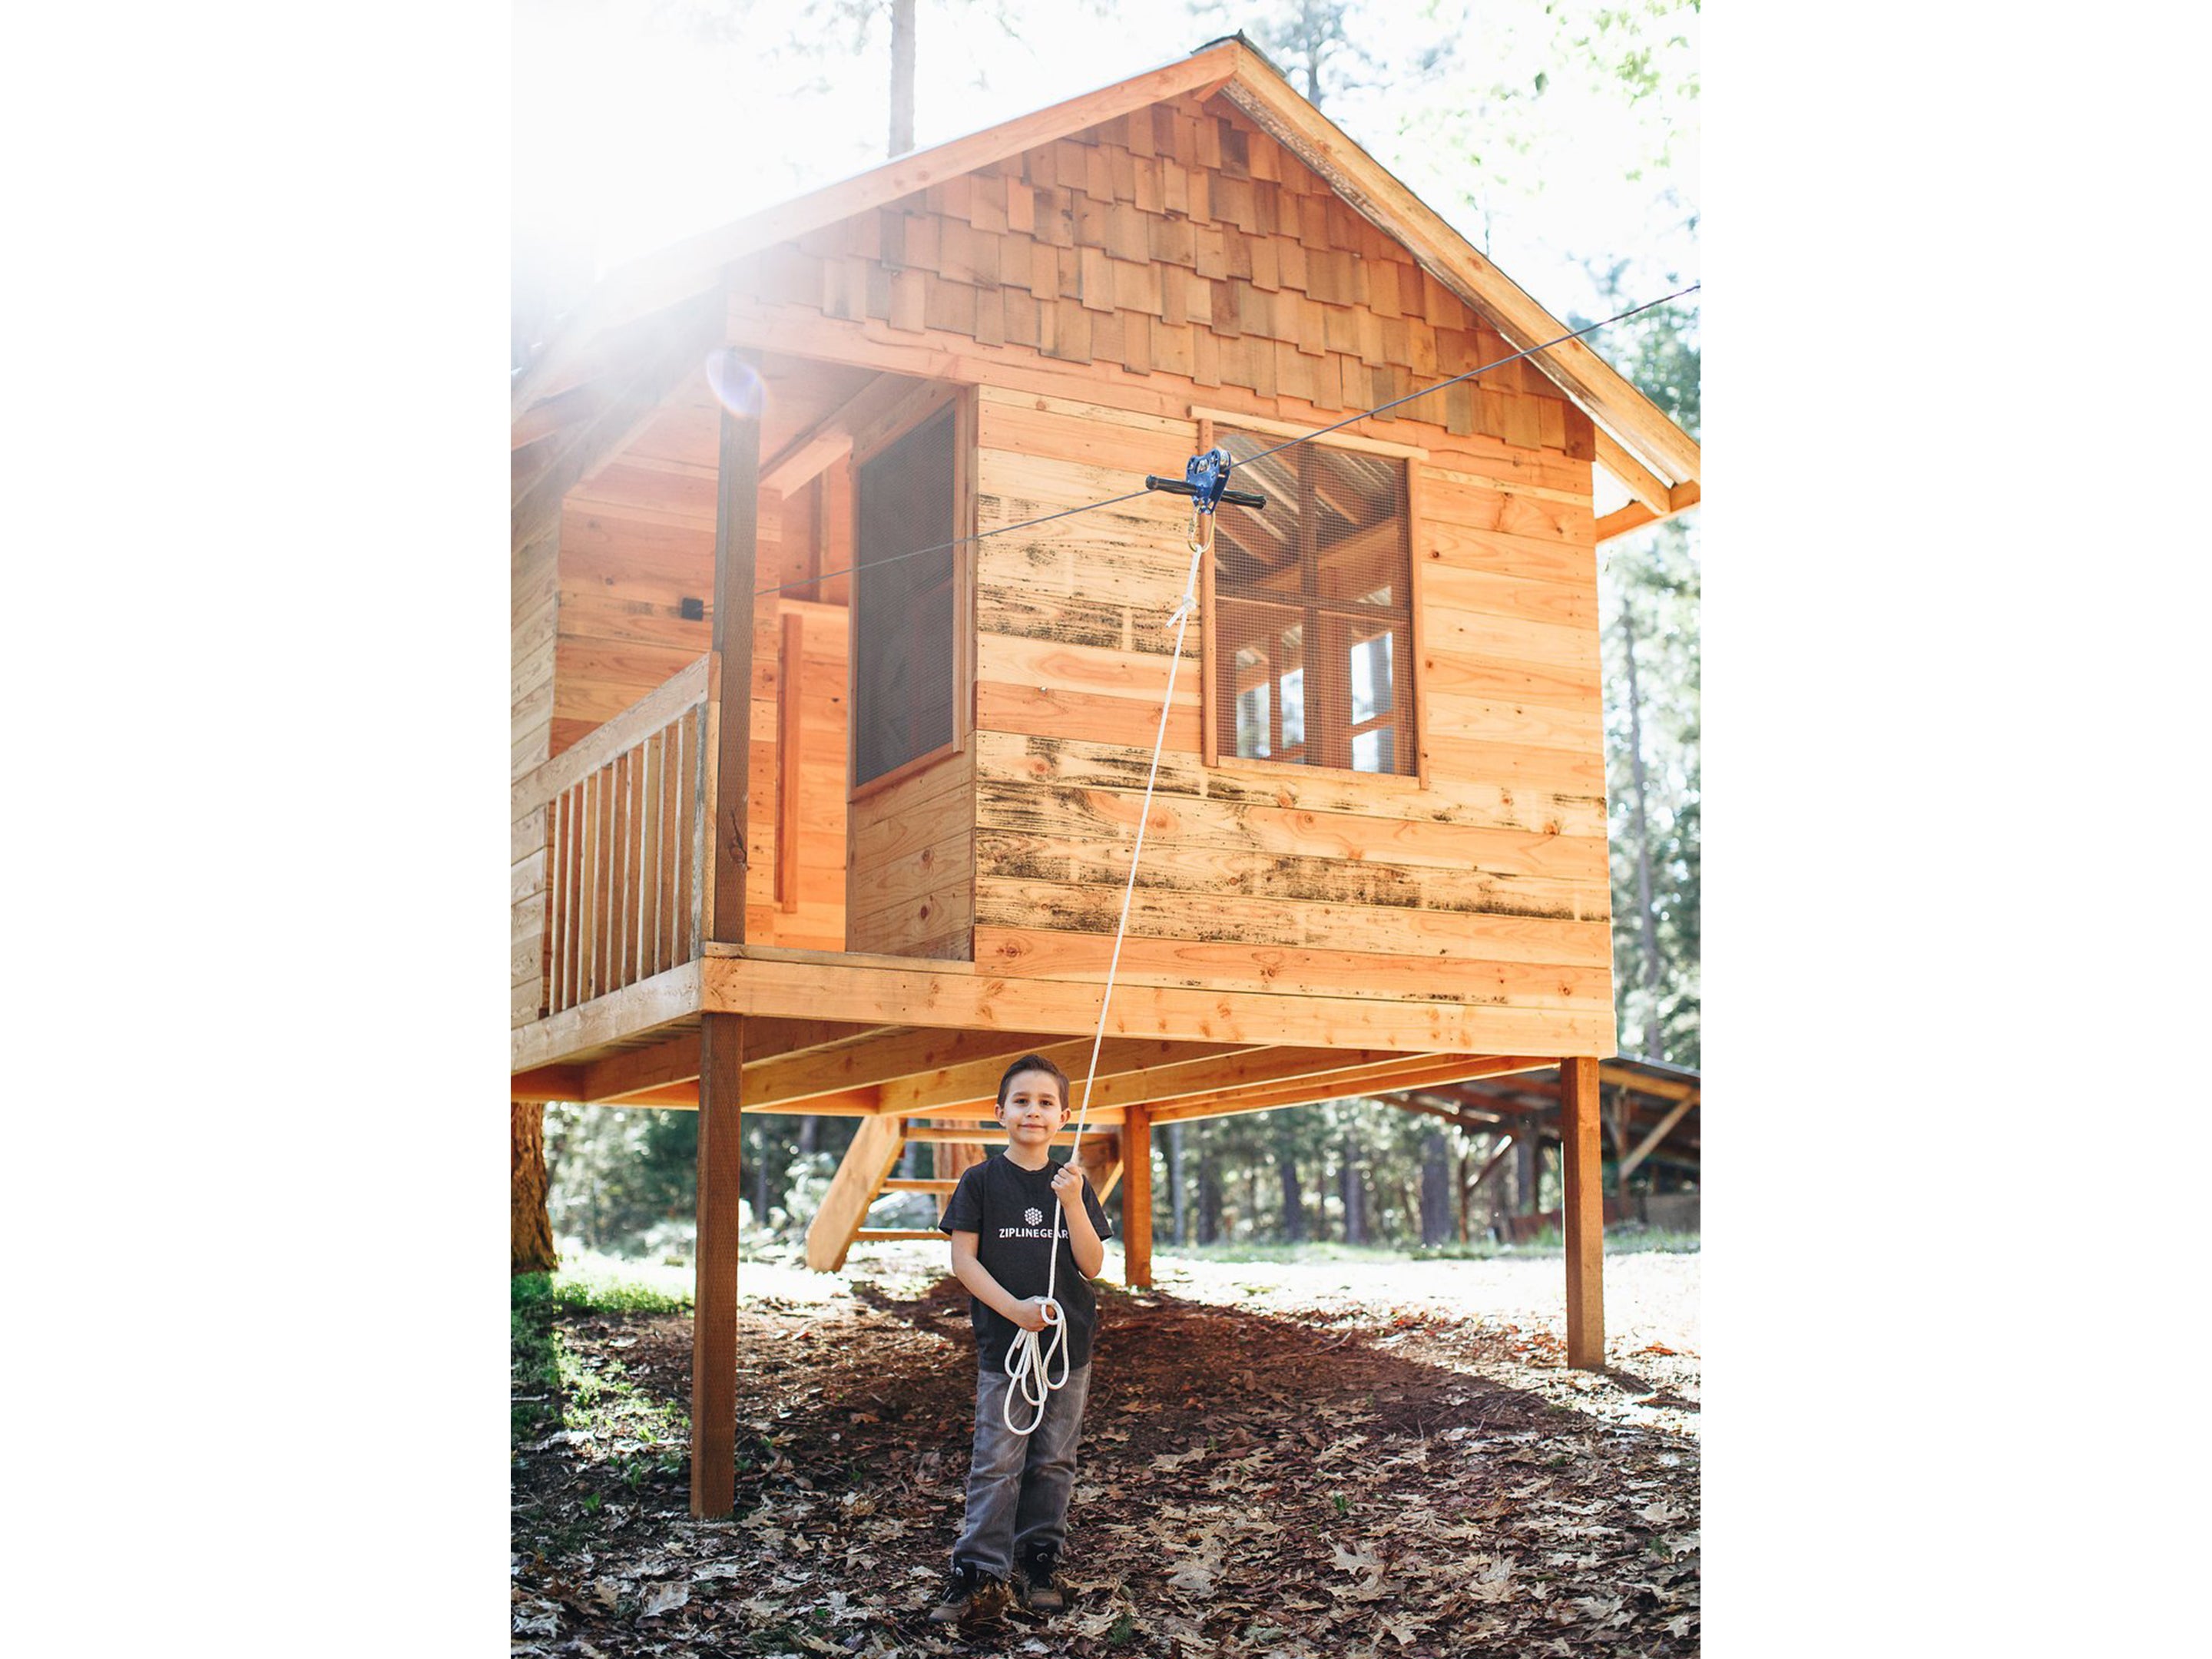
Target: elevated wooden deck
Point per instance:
(924, 1038)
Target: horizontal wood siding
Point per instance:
(912, 874)
(1488, 886)
(637, 539)
(534, 594)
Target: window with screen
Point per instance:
(1312, 637)
(904, 653)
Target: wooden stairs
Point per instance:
(865, 1175)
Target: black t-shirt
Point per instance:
(1010, 1211)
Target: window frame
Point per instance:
(1415, 707)
(928, 401)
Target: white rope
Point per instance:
(1028, 1362)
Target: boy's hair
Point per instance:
(1033, 1063)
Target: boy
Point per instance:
(1000, 1218)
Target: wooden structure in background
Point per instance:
(1648, 1111)
(726, 896)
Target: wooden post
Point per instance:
(1581, 1158)
(1137, 1198)
(737, 522)
(721, 1036)
(714, 1269)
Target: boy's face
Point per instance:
(1032, 1110)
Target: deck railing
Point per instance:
(626, 836)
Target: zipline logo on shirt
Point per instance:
(1035, 1217)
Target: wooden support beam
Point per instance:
(544, 1082)
(1498, 1156)
(670, 994)
(655, 361)
(1637, 514)
(684, 1097)
(803, 459)
(730, 685)
(921, 1184)
(1101, 1157)
(920, 992)
(1584, 1217)
(1659, 1133)
(715, 1272)
(1479, 1122)
(1137, 1198)
(1635, 477)
(975, 1082)
(874, 1152)
(1661, 1088)
(888, 1058)
(976, 1137)
(1397, 1073)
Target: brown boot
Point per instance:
(1040, 1589)
(969, 1593)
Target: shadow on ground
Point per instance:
(1250, 1484)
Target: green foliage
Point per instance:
(1321, 45)
(1651, 593)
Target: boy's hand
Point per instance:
(1030, 1314)
(1067, 1185)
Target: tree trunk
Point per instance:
(1209, 1198)
(1175, 1185)
(531, 1228)
(1525, 1151)
(901, 76)
(1294, 1208)
(1355, 1204)
(1647, 920)
(1435, 1189)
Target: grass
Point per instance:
(590, 1282)
(557, 1386)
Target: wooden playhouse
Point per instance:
(788, 839)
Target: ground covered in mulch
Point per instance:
(1277, 1460)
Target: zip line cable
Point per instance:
(1291, 443)
(1469, 375)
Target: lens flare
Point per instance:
(735, 383)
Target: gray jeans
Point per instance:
(1018, 1485)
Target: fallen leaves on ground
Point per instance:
(1283, 1483)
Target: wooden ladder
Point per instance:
(864, 1175)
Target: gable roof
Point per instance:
(1658, 461)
